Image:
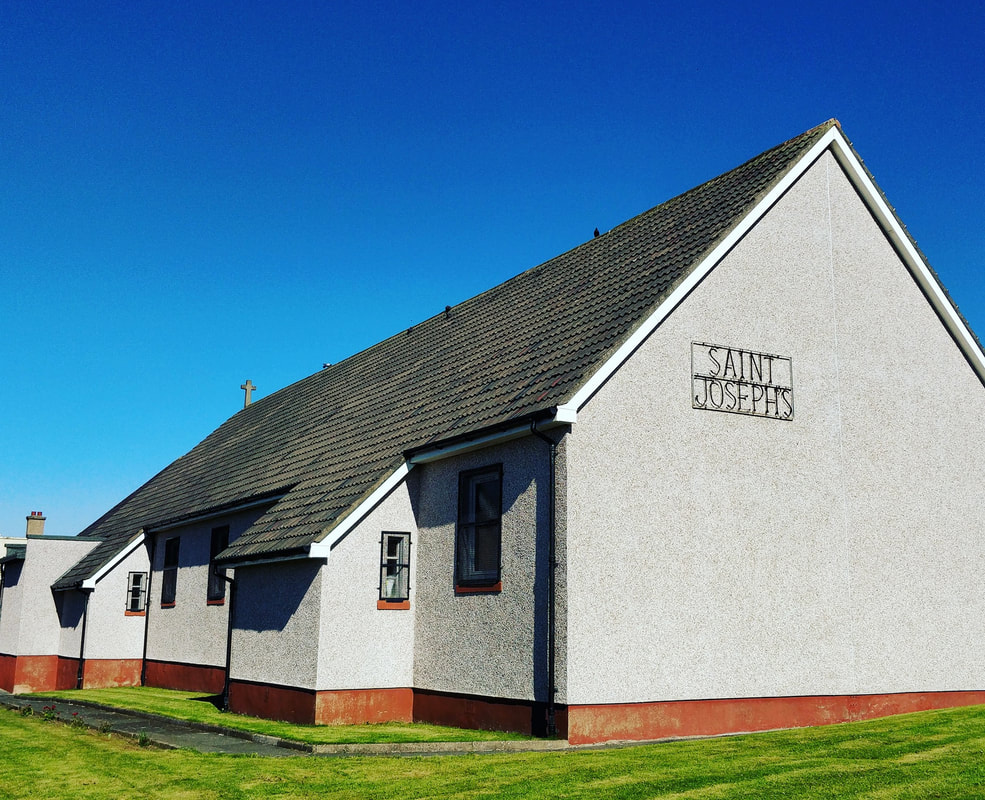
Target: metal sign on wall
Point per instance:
(741, 381)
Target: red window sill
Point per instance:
(167, 605)
(220, 602)
(494, 588)
(393, 605)
(135, 613)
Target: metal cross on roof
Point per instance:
(248, 387)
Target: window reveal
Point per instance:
(136, 593)
(394, 569)
(478, 541)
(217, 583)
(169, 581)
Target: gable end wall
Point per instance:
(713, 555)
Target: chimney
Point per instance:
(35, 524)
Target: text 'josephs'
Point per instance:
(741, 381)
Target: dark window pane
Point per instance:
(169, 580)
(136, 592)
(487, 500)
(487, 548)
(478, 543)
(217, 586)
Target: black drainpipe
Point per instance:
(552, 578)
(229, 637)
(147, 605)
(82, 644)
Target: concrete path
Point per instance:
(168, 733)
(158, 731)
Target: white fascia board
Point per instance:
(843, 151)
(440, 452)
(322, 548)
(109, 566)
(565, 415)
(921, 272)
(262, 562)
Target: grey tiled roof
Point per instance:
(514, 352)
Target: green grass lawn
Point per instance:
(935, 754)
(194, 707)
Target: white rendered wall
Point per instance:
(361, 646)
(314, 624)
(484, 644)
(10, 612)
(192, 632)
(110, 633)
(275, 638)
(713, 555)
(29, 621)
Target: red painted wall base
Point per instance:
(342, 707)
(272, 702)
(580, 724)
(360, 706)
(185, 677)
(484, 713)
(21, 674)
(588, 724)
(8, 664)
(105, 673)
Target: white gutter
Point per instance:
(322, 548)
(439, 452)
(256, 562)
(109, 566)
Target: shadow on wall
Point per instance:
(69, 606)
(12, 573)
(268, 597)
(448, 619)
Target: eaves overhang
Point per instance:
(90, 582)
(437, 451)
(14, 552)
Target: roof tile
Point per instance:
(513, 351)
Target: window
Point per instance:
(217, 584)
(169, 583)
(137, 593)
(480, 498)
(394, 570)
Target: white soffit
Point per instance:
(109, 566)
(874, 200)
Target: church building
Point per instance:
(718, 469)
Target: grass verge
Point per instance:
(934, 754)
(195, 707)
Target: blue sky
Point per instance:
(198, 193)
